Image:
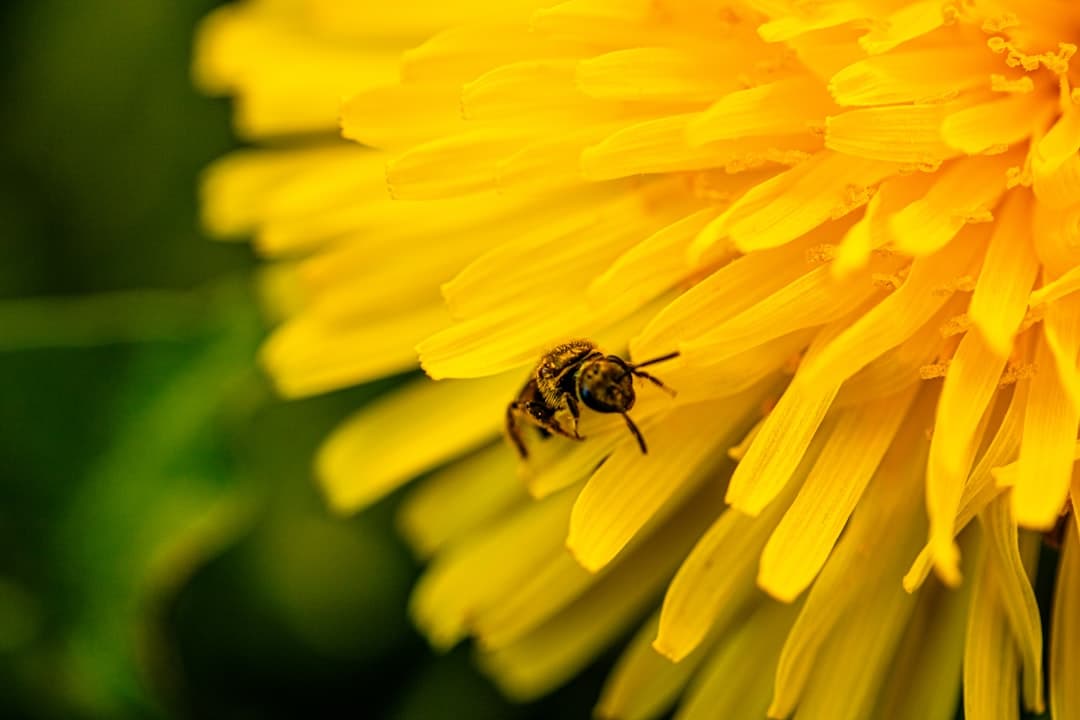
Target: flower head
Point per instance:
(856, 222)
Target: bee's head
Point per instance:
(606, 385)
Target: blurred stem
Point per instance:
(132, 316)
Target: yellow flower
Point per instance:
(857, 221)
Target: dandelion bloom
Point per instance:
(857, 221)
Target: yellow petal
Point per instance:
(897, 317)
(964, 192)
(700, 600)
(399, 116)
(419, 18)
(778, 448)
(627, 23)
(550, 163)
(912, 76)
(629, 490)
(994, 124)
(531, 601)
(241, 191)
(341, 284)
(1065, 638)
(487, 566)
(311, 353)
(973, 376)
(1058, 288)
(1057, 237)
(736, 681)
(659, 146)
(908, 134)
(828, 185)
(769, 365)
(814, 299)
(1015, 594)
(991, 664)
(376, 450)
(788, 106)
(550, 259)
(907, 22)
(857, 658)
(807, 18)
(644, 684)
(897, 368)
(497, 341)
(720, 296)
(328, 185)
(421, 173)
(1062, 141)
(536, 94)
(652, 266)
(460, 498)
(558, 649)
(1046, 450)
(886, 519)
(784, 437)
(827, 53)
(382, 224)
(1006, 475)
(659, 74)
(805, 536)
(216, 66)
(872, 230)
(579, 16)
(1008, 272)
(980, 487)
(1056, 186)
(924, 683)
(254, 53)
(284, 237)
(1062, 328)
(463, 53)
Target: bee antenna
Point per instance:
(655, 360)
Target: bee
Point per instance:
(578, 372)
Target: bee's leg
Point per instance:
(637, 434)
(512, 429)
(540, 415)
(654, 380)
(563, 418)
(560, 420)
(543, 417)
(571, 403)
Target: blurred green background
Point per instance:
(163, 552)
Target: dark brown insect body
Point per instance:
(577, 372)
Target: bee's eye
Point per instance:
(591, 398)
(586, 395)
